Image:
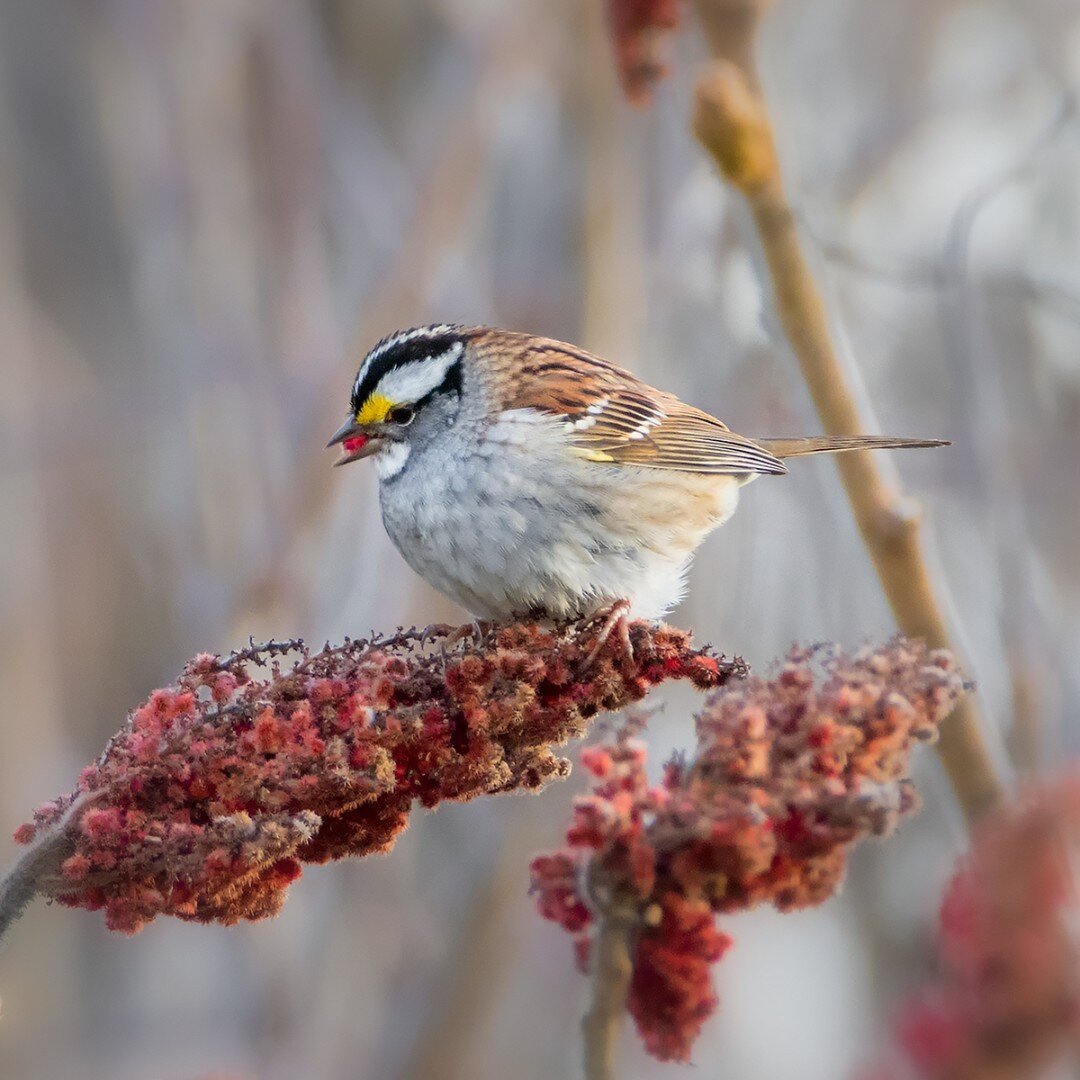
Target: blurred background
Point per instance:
(210, 209)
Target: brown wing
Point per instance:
(612, 416)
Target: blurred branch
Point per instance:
(732, 122)
(613, 249)
(470, 975)
(730, 28)
(1028, 685)
(974, 354)
(434, 226)
(916, 274)
(612, 966)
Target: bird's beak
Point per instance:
(356, 442)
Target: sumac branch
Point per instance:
(219, 787)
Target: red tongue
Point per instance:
(355, 443)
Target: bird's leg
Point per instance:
(616, 619)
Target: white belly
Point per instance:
(516, 527)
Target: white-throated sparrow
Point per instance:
(520, 475)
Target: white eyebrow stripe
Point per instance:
(393, 342)
(416, 380)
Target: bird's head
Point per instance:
(408, 387)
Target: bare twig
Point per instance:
(732, 122)
(23, 880)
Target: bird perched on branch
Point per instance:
(524, 476)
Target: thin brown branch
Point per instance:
(611, 967)
(730, 27)
(732, 122)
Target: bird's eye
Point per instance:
(402, 415)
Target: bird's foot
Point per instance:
(616, 621)
(478, 630)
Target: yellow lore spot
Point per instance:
(374, 410)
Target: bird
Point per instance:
(525, 477)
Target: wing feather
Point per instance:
(613, 416)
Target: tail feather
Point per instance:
(832, 444)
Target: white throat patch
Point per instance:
(391, 460)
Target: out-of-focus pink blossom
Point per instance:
(639, 29)
(218, 788)
(1007, 1006)
(787, 774)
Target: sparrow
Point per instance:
(522, 476)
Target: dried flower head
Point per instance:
(787, 774)
(218, 788)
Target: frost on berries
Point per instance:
(218, 788)
(638, 30)
(787, 774)
(1007, 1003)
